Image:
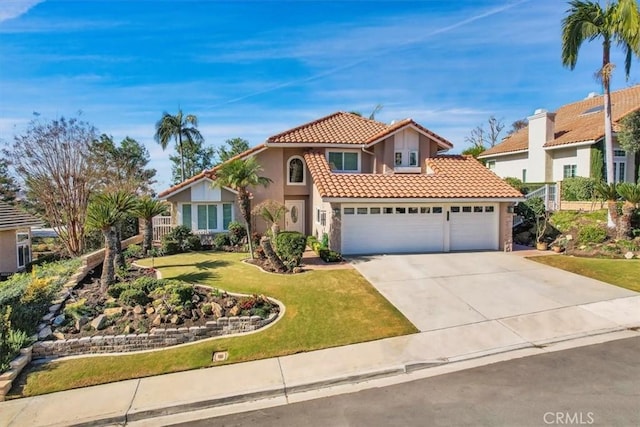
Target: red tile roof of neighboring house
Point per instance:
(455, 177)
(573, 122)
(13, 218)
(209, 173)
(346, 128)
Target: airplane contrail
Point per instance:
(352, 64)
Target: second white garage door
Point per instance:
(418, 228)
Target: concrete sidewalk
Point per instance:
(284, 378)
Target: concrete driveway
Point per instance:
(537, 302)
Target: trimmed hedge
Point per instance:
(290, 246)
(326, 254)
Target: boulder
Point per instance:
(175, 319)
(113, 311)
(230, 303)
(194, 314)
(128, 329)
(628, 255)
(58, 335)
(81, 322)
(99, 322)
(138, 309)
(45, 333)
(157, 321)
(217, 309)
(150, 310)
(59, 320)
(234, 311)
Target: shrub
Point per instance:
(515, 183)
(328, 255)
(133, 297)
(325, 240)
(531, 208)
(592, 234)
(578, 188)
(194, 243)
(290, 246)
(221, 240)
(133, 251)
(174, 294)
(207, 309)
(76, 310)
(179, 240)
(170, 247)
(147, 284)
(237, 232)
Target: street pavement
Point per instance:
(597, 385)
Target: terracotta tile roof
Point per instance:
(346, 128)
(573, 125)
(12, 218)
(209, 173)
(453, 177)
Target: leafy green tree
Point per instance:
(241, 175)
(475, 151)
(196, 157)
(52, 159)
(182, 128)
(631, 195)
(122, 166)
(146, 208)
(235, 146)
(629, 138)
(619, 23)
(103, 213)
(8, 186)
(609, 192)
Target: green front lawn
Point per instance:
(323, 309)
(620, 272)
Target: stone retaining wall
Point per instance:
(157, 338)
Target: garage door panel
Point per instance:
(475, 229)
(392, 233)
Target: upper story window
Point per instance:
(619, 153)
(340, 161)
(569, 171)
(296, 173)
(406, 145)
(491, 164)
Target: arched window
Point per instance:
(296, 174)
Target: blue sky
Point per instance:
(252, 69)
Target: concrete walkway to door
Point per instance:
(504, 292)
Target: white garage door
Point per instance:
(368, 229)
(473, 227)
(392, 229)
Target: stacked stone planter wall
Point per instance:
(17, 364)
(157, 338)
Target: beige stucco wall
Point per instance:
(8, 252)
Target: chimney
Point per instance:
(541, 130)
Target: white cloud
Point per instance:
(10, 9)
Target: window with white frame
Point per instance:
(619, 165)
(23, 247)
(569, 171)
(204, 217)
(296, 172)
(343, 161)
(491, 164)
(406, 146)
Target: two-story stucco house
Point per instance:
(372, 187)
(560, 145)
(15, 238)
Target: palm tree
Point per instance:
(103, 213)
(178, 127)
(146, 208)
(631, 195)
(617, 22)
(272, 212)
(609, 193)
(241, 175)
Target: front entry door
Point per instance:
(294, 219)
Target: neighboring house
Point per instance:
(372, 187)
(15, 238)
(560, 145)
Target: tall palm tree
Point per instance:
(146, 208)
(103, 213)
(241, 175)
(619, 23)
(631, 195)
(178, 127)
(609, 192)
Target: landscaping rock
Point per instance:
(297, 270)
(230, 303)
(58, 335)
(128, 329)
(45, 333)
(175, 319)
(113, 311)
(150, 310)
(234, 310)
(99, 322)
(217, 309)
(47, 317)
(157, 321)
(194, 314)
(59, 320)
(81, 322)
(54, 308)
(628, 255)
(138, 309)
